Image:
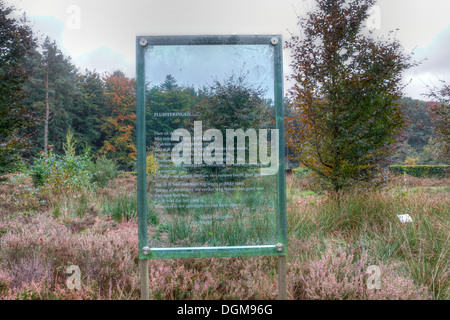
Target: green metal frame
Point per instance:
(204, 252)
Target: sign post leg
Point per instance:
(143, 272)
(282, 287)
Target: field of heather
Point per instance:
(332, 242)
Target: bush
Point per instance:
(151, 164)
(62, 174)
(421, 171)
(302, 172)
(103, 170)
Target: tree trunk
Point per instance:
(47, 114)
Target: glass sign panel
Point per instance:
(212, 146)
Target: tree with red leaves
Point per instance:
(346, 94)
(120, 125)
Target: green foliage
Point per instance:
(102, 171)
(90, 110)
(346, 94)
(21, 196)
(432, 153)
(220, 231)
(17, 44)
(419, 124)
(53, 87)
(169, 97)
(302, 172)
(440, 113)
(422, 171)
(402, 152)
(69, 146)
(233, 104)
(121, 207)
(409, 161)
(62, 174)
(151, 164)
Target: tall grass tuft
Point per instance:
(123, 207)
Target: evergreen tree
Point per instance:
(89, 110)
(166, 98)
(53, 90)
(17, 46)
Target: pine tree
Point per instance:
(17, 45)
(89, 110)
(53, 90)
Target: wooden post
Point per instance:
(282, 285)
(143, 272)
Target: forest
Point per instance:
(99, 110)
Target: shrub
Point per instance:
(62, 174)
(102, 171)
(151, 164)
(302, 172)
(421, 171)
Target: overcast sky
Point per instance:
(100, 34)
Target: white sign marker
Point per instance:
(404, 218)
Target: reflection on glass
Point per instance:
(212, 155)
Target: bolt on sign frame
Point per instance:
(279, 247)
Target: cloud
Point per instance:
(114, 24)
(435, 65)
(104, 60)
(48, 26)
(437, 54)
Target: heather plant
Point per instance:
(20, 194)
(35, 290)
(5, 283)
(339, 275)
(214, 278)
(40, 250)
(107, 257)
